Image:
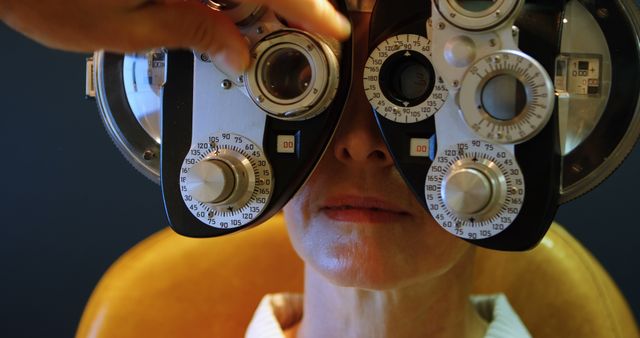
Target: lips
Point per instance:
(361, 209)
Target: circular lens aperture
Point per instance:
(506, 97)
(476, 5)
(293, 76)
(400, 81)
(503, 97)
(407, 79)
(286, 74)
(478, 15)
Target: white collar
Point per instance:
(279, 312)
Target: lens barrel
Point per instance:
(294, 76)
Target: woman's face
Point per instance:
(355, 221)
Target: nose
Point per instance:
(358, 140)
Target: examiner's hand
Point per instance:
(135, 25)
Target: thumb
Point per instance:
(189, 25)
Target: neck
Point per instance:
(437, 307)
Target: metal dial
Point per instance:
(227, 181)
(400, 81)
(506, 97)
(467, 191)
(474, 189)
(241, 13)
(211, 181)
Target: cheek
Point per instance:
(297, 221)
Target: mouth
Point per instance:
(357, 209)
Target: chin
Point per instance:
(374, 257)
(363, 267)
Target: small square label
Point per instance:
(286, 144)
(419, 147)
(583, 65)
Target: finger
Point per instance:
(313, 15)
(189, 25)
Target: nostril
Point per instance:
(374, 155)
(378, 155)
(345, 153)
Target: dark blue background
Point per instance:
(71, 204)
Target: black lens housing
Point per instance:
(393, 79)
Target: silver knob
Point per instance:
(242, 13)
(475, 189)
(211, 181)
(467, 191)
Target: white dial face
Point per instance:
(506, 97)
(504, 193)
(400, 81)
(252, 175)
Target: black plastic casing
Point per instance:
(290, 171)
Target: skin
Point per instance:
(136, 25)
(392, 274)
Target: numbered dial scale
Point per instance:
(400, 82)
(226, 182)
(474, 189)
(506, 97)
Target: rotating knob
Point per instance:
(226, 182)
(474, 189)
(211, 181)
(467, 191)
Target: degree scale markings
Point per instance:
(251, 165)
(404, 43)
(538, 89)
(469, 155)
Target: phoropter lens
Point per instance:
(293, 76)
(411, 81)
(286, 74)
(476, 5)
(504, 97)
(407, 79)
(478, 15)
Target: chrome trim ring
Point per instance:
(321, 89)
(463, 18)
